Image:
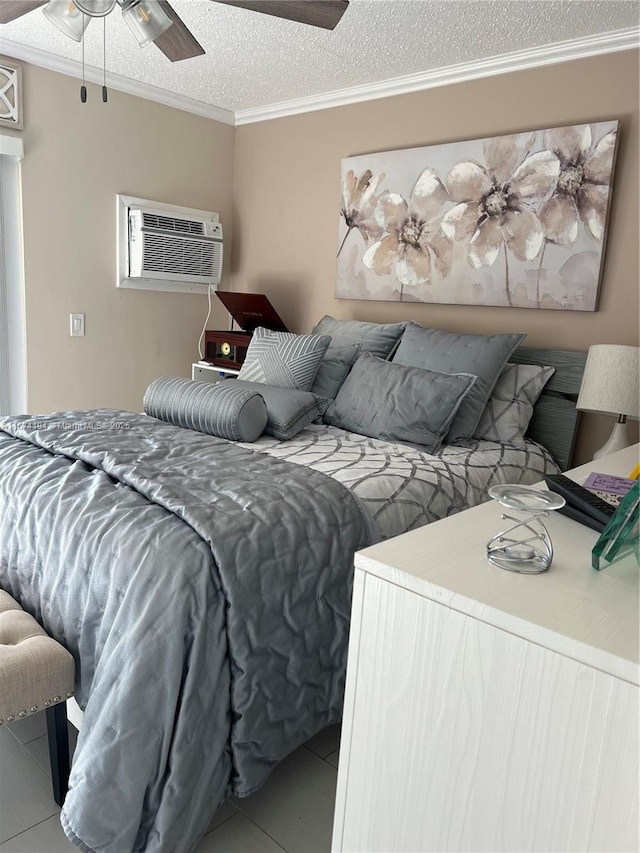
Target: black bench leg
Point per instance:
(58, 750)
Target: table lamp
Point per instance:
(610, 384)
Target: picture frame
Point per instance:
(516, 220)
(11, 114)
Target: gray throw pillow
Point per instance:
(377, 338)
(397, 403)
(455, 352)
(288, 410)
(510, 407)
(283, 359)
(334, 367)
(237, 414)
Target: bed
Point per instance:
(203, 587)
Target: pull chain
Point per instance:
(104, 60)
(83, 88)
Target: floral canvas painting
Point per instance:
(516, 220)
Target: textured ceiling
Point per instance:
(255, 60)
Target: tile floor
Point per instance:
(292, 812)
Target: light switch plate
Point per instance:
(76, 325)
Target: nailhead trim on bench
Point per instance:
(34, 708)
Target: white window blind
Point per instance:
(12, 325)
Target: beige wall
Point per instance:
(77, 157)
(282, 205)
(286, 199)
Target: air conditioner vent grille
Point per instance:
(167, 247)
(170, 223)
(189, 257)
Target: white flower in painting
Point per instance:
(582, 190)
(359, 203)
(494, 202)
(412, 241)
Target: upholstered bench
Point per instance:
(36, 673)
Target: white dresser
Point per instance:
(486, 710)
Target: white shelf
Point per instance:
(207, 372)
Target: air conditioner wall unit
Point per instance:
(166, 247)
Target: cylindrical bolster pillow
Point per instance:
(232, 413)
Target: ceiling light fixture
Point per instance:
(145, 18)
(67, 17)
(96, 8)
(158, 22)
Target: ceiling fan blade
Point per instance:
(317, 13)
(177, 43)
(12, 9)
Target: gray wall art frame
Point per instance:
(517, 220)
(10, 95)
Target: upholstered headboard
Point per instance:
(555, 418)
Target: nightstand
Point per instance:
(205, 372)
(487, 710)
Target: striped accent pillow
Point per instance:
(237, 414)
(283, 359)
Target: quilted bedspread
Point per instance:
(204, 592)
(203, 588)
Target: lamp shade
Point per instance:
(611, 381)
(146, 20)
(66, 16)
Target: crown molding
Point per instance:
(520, 60)
(72, 68)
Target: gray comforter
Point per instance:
(204, 591)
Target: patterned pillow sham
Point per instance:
(283, 359)
(380, 339)
(509, 410)
(398, 403)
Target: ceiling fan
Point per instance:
(156, 21)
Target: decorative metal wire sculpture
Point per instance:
(525, 546)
